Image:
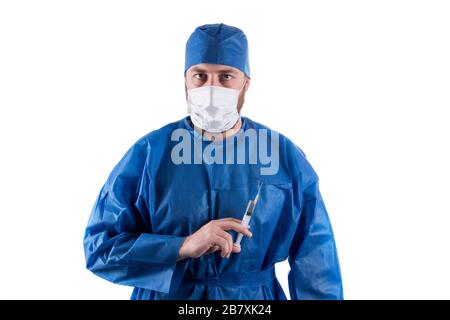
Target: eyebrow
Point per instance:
(195, 69)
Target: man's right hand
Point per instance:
(211, 237)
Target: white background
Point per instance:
(361, 86)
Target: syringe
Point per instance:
(247, 215)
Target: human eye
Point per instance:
(227, 76)
(200, 76)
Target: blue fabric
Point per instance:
(218, 44)
(149, 205)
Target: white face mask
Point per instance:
(212, 108)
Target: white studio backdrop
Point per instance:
(361, 86)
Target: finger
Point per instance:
(232, 225)
(228, 238)
(236, 248)
(229, 219)
(222, 243)
(214, 248)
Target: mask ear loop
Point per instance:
(245, 82)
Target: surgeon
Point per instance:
(167, 219)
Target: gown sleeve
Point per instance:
(315, 271)
(119, 244)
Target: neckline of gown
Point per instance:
(197, 135)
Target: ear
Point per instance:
(247, 84)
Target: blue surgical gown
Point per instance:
(150, 204)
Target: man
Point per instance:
(167, 218)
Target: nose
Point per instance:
(213, 80)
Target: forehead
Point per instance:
(213, 68)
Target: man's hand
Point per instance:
(212, 237)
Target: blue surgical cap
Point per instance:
(218, 44)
